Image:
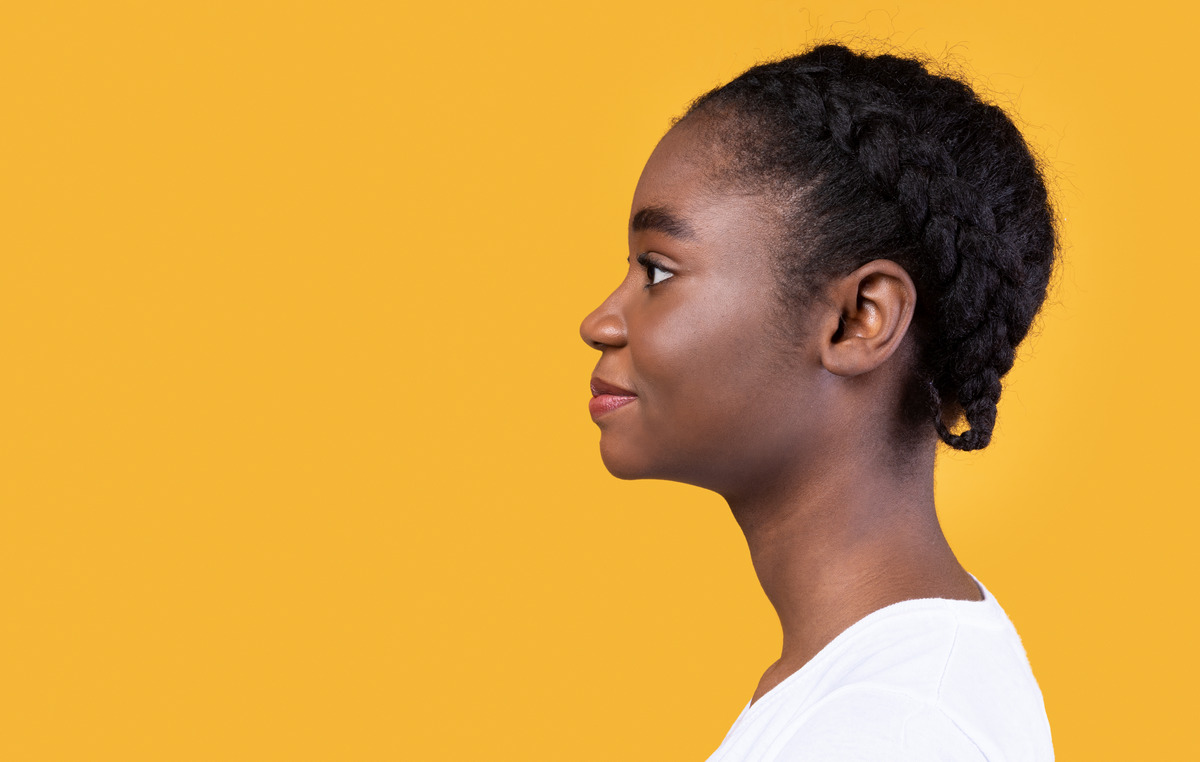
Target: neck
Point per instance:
(829, 551)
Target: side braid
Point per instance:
(898, 163)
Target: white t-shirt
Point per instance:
(922, 680)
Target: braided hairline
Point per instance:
(967, 196)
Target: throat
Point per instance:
(826, 565)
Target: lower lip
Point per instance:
(606, 403)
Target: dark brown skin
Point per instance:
(788, 420)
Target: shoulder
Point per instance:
(928, 679)
(873, 724)
(932, 680)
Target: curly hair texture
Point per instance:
(874, 157)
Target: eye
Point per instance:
(655, 273)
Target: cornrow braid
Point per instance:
(876, 158)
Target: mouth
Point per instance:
(608, 397)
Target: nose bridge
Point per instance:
(605, 326)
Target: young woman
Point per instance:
(832, 261)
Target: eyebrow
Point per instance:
(663, 220)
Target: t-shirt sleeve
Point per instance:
(876, 725)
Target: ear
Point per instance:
(874, 306)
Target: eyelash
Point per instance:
(650, 267)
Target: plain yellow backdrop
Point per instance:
(296, 462)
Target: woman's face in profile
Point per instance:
(698, 381)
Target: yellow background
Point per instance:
(296, 461)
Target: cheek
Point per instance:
(702, 364)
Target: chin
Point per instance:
(625, 462)
(631, 460)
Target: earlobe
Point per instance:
(875, 306)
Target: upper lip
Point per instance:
(600, 386)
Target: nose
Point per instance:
(605, 327)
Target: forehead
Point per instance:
(677, 170)
(680, 180)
